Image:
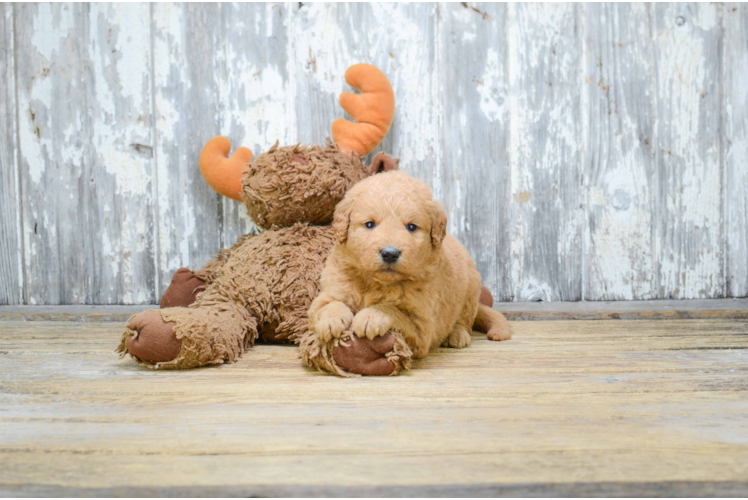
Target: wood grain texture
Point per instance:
(54, 133)
(548, 216)
(613, 489)
(321, 47)
(577, 405)
(186, 72)
(256, 100)
(735, 147)
(688, 56)
(619, 97)
(590, 152)
(84, 107)
(409, 56)
(474, 182)
(11, 265)
(120, 154)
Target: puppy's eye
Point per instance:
(370, 225)
(411, 227)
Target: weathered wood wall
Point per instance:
(583, 152)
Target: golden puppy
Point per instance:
(394, 267)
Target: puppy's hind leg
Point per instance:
(458, 338)
(493, 323)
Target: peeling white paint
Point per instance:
(489, 88)
(324, 55)
(544, 151)
(530, 106)
(735, 81)
(49, 26)
(689, 111)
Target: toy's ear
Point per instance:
(224, 173)
(438, 224)
(373, 110)
(342, 220)
(383, 162)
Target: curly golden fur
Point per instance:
(394, 268)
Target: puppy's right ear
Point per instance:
(383, 162)
(342, 220)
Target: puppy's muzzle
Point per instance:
(390, 254)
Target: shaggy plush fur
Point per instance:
(429, 296)
(299, 184)
(263, 286)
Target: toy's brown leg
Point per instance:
(485, 297)
(183, 290)
(187, 337)
(364, 356)
(351, 355)
(186, 285)
(155, 340)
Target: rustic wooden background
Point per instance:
(583, 152)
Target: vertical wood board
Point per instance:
(84, 128)
(54, 132)
(186, 71)
(474, 181)
(256, 96)
(689, 241)
(545, 151)
(11, 265)
(619, 152)
(735, 147)
(120, 154)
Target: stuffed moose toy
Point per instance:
(262, 287)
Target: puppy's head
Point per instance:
(389, 227)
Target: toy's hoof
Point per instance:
(366, 357)
(155, 341)
(183, 289)
(485, 297)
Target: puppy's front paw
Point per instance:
(371, 323)
(458, 339)
(332, 324)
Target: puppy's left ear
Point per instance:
(438, 224)
(342, 220)
(383, 162)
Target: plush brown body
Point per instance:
(429, 293)
(262, 286)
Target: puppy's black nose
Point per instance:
(390, 254)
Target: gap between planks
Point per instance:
(514, 311)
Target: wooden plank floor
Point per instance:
(565, 408)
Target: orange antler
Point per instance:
(224, 173)
(373, 110)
